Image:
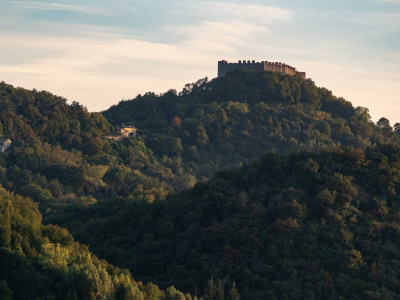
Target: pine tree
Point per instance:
(234, 292)
(210, 290)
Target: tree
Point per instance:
(176, 146)
(176, 123)
(384, 124)
(5, 226)
(172, 293)
(396, 128)
(221, 117)
(152, 292)
(237, 107)
(234, 292)
(202, 137)
(210, 290)
(116, 177)
(37, 193)
(362, 114)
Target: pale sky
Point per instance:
(100, 52)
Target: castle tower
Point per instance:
(248, 66)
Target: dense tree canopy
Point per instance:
(298, 226)
(295, 225)
(59, 156)
(44, 262)
(212, 125)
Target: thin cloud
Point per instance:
(223, 11)
(370, 19)
(388, 1)
(219, 37)
(223, 28)
(56, 7)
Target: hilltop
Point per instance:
(211, 125)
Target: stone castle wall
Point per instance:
(253, 66)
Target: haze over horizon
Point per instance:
(99, 52)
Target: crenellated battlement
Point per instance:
(253, 66)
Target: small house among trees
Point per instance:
(5, 144)
(123, 132)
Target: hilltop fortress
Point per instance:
(224, 67)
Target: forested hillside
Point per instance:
(212, 125)
(299, 226)
(59, 156)
(60, 159)
(293, 226)
(44, 262)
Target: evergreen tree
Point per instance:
(234, 292)
(210, 290)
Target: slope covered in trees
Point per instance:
(44, 262)
(270, 227)
(60, 159)
(212, 125)
(298, 226)
(59, 156)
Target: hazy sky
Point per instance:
(100, 52)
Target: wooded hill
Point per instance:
(299, 226)
(44, 262)
(210, 126)
(111, 195)
(60, 159)
(59, 155)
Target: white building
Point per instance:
(5, 144)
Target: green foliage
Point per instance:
(5, 292)
(299, 226)
(238, 117)
(36, 193)
(211, 290)
(5, 224)
(46, 262)
(303, 225)
(60, 158)
(234, 293)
